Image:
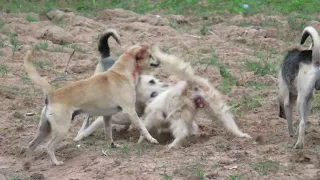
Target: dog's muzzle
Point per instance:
(199, 102)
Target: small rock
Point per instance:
(37, 176)
(30, 114)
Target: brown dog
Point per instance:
(101, 95)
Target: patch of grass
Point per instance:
(245, 104)
(165, 175)
(42, 64)
(254, 84)
(31, 18)
(77, 48)
(199, 173)
(299, 21)
(173, 24)
(59, 22)
(42, 45)
(228, 80)
(262, 67)
(264, 168)
(25, 79)
(1, 23)
(237, 177)
(316, 149)
(189, 7)
(2, 43)
(124, 149)
(14, 43)
(4, 69)
(204, 30)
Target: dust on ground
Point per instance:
(214, 155)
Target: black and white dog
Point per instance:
(298, 78)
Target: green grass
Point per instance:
(14, 43)
(1, 23)
(262, 67)
(188, 7)
(245, 104)
(42, 45)
(199, 173)
(254, 84)
(4, 69)
(237, 177)
(228, 80)
(264, 168)
(25, 79)
(31, 18)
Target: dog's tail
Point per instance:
(183, 70)
(34, 76)
(103, 42)
(310, 31)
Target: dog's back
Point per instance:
(291, 64)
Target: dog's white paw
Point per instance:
(58, 163)
(154, 141)
(79, 137)
(245, 135)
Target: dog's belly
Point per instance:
(120, 119)
(102, 112)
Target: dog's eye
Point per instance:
(152, 82)
(154, 94)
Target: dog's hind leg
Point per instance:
(85, 124)
(42, 131)
(108, 131)
(179, 132)
(94, 126)
(304, 104)
(132, 115)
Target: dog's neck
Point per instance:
(136, 72)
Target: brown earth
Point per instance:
(214, 155)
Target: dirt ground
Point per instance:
(214, 155)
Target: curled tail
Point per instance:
(310, 31)
(34, 76)
(103, 42)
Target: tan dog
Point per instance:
(98, 95)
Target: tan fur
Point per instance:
(97, 96)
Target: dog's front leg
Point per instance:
(108, 131)
(132, 115)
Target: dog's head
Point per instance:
(198, 95)
(149, 87)
(143, 56)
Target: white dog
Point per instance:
(178, 106)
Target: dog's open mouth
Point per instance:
(199, 102)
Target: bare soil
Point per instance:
(214, 155)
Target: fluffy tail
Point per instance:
(34, 76)
(310, 31)
(103, 42)
(181, 69)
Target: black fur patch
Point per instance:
(290, 66)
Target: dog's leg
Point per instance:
(85, 124)
(108, 131)
(42, 131)
(94, 126)
(132, 115)
(304, 103)
(148, 124)
(194, 129)
(288, 105)
(179, 131)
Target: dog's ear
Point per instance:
(142, 51)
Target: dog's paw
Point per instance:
(78, 138)
(58, 163)
(154, 141)
(299, 145)
(245, 135)
(114, 145)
